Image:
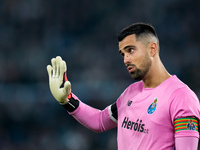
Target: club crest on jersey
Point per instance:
(152, 107)
(190, 125)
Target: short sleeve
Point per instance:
(184, 103)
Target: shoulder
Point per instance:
(135, 86)
(184, 97)
(181, 90)
(182, 94)
(132, 89)
(184, 102)
(173, 85)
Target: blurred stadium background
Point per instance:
(84, 33)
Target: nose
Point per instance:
(126, 59)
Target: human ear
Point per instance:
(153, 49)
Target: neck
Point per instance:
(155, 76)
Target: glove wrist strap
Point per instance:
(72, 104)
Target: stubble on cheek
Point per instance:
(139, 74)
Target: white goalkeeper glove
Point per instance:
(56, 79)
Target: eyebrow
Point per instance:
(127, 47)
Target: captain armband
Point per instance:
(113, 114)
(72, 105)
(188, 123)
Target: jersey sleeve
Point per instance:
(113, 109)
(113, 112)
(186, 143)
(184, 110)
(92, 118)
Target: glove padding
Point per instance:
(56, 73)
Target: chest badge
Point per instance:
(152, 107)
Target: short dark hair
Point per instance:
(138, 29)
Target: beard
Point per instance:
(140, 73)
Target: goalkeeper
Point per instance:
(158, 112)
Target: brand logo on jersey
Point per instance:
(137, 126)
(129, 103)
(152, 107)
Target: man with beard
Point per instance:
(151, 114)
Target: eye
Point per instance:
(131, 50)
(122, 54)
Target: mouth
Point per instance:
(130, 68)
